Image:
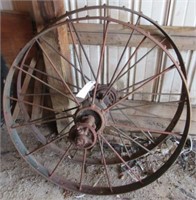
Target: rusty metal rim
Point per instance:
(88, 17)
(183, 98)
(102, 190)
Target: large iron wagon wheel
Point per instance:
(104, 131)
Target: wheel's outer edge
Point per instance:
(86, 189)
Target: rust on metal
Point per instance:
(100, 133)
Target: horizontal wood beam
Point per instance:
(157, 114)
(164, 109)
(91, 34)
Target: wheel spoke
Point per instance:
(129, 68)
(123, 68)
(37, 94)
(44, 73)
(152, 78)
(140, 59)
(85, 54)
(120, 135)
(58, 73)
(128, 127)
(100, 67)
(125, 106)
(53, 140)
(43, 82)
(60, 161)
(104, 163)
(148, 113)
(131, 139)
(125, 48)
(50, 76)
(105, 13)
(152, 93)
(135, 84)
(76, 53)
(141, 130)
(23, 87)
(57, 113)
(137, 178)
(32, 104)
(41, 122)
(137, 143)
(70, 64)
(82, 168)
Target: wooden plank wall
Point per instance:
(59, 40)
(166, 13)
(91, 34)
(13, 34)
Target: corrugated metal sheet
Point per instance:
(168, 13)
(6, 5)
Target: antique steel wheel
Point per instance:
(105, 136)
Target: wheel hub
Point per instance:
(90, 119)
(82, 135)
(109, 96)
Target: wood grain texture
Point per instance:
(44, 11)
(16, 31)
(91, 34)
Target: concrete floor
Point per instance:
(19, 182)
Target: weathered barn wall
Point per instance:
(166, 13)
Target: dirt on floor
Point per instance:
(18, 181)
